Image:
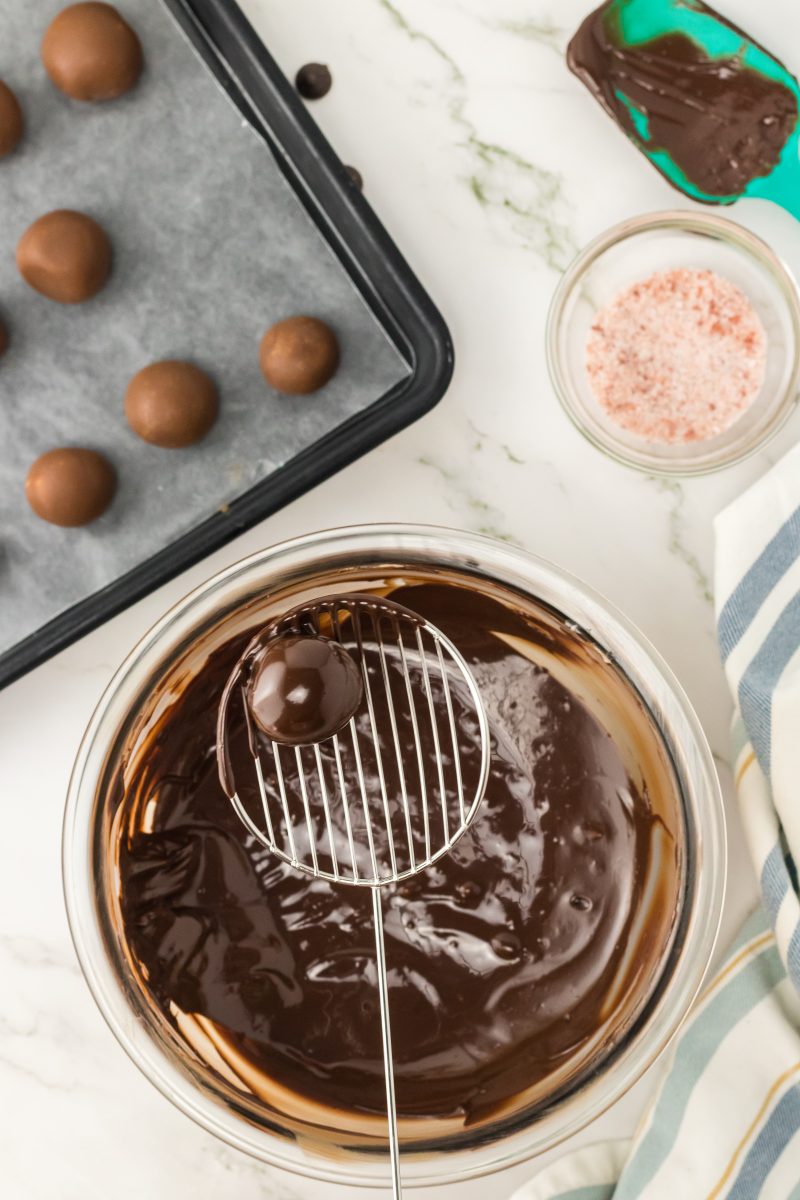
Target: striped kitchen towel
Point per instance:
(725, 1121)
(758, 610)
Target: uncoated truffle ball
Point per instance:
(11, 122)
(171, 403)
(91, 53)
(299, 355)
(70, 486)
(65, 255)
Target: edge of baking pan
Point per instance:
(243, 66)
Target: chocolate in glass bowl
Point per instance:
(518, 965)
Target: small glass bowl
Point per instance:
(630, 252)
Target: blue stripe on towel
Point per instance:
(698, 1045)
(774, 880)
(773, 1138)
(746, 599)
(791, 867)
(777, 877)
(793, 957)
(757, 685)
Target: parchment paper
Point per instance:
(210, 247)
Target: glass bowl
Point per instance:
(176, 647)
(630, 252)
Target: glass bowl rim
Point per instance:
(673, 1003)
(707, 224)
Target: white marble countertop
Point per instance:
(490, 166)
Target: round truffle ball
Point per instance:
(303, 689)
(11, 122)
(171, 403)
(70, 486)
(65, 255)
(299, 355)
(313, 81)
(91, 53)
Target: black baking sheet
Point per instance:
(211, 246)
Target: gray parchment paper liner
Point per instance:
(210, 247)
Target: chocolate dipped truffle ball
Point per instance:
(299, 355)
(70, 486)
(65, 255)
(313, 81)
(91, 53)
(171, 403)
(303, 689)
(11, 123)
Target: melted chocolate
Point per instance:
(722, 123)
(506, 958)
(303, 689)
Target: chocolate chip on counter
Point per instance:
(356, 177)
(313, 81)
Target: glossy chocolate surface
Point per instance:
(514, 962)
(722, 123)
(303, 689)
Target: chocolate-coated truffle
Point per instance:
(11, 122)
(313, 81)
(70, 486)
(65, 255)
(356, 178)
(299, 355)
(303, 689)
(91, 53)
(171, 403)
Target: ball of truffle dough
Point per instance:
(299, 355)
(171, 403)
(91, 53)
(70, 486)
(65, 255)
(11, 122)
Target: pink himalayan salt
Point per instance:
(677, 357)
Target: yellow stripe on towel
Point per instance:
(748, 951)
(752, 1129)
(750, 758)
